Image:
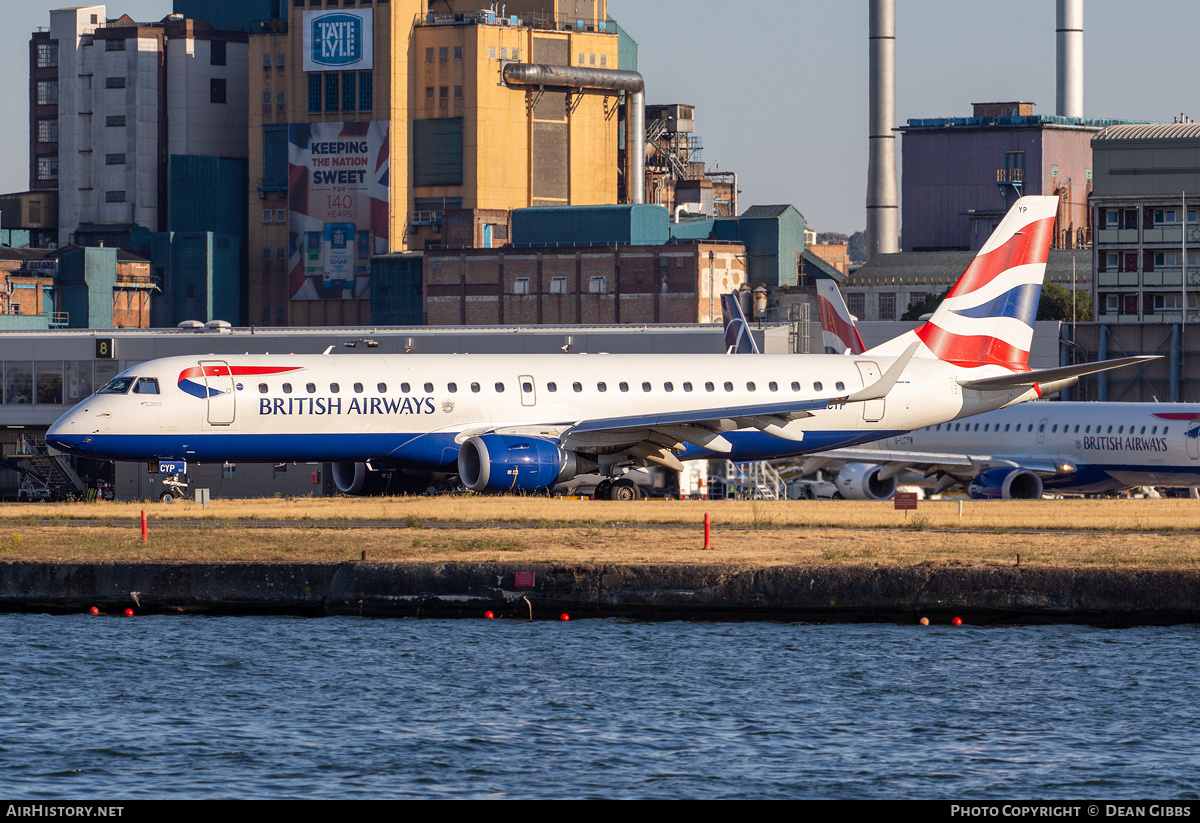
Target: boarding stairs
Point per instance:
(748, 481)
(45, 473)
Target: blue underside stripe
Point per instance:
(423, 450)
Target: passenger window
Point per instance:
(668, 387)
(773, 386)
(956, 425)
(429, 388)
(404, 387)
(601, 387)
(577, 386)
(976, 427)
(1165, 429)
(262, 388)
(525, 387)
(728, 386)
(623, 386)
(840, 386)
(1143, 431)
(1006, 425)
(795, 386)
(1154, 430)
(358, 388)
(475, 387)
(382, 387)
(147, 385)
(1109, 430)
(687, 386)
(499, 387)
(451, 387)
(311, 388)
(750, 386)
(645, 387)
(1054, 429)
(1120, 430)
(287, 388)
(1041, 427)
(818, 386)
(709, 387)
(334, 388)
(551, 387)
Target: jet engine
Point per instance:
(358, 479)
(507, 463)
(1006, 484)
(860, 481)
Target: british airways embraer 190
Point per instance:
(525, 423)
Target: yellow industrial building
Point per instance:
(464, 132)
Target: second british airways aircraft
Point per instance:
(526, 423)
(1066, 447)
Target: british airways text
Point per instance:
(334, 405)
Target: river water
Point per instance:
(273, 707)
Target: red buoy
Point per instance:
(564, 616)
(488, 615)
(957, 621)
(924, 621)
(93, 611)
(129, 612)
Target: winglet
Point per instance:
(883, 385)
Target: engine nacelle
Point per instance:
(508, 463)
(860, 481)
(1006, 484)
(357, 479)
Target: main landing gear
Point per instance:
(622, 489)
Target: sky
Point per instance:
(780, 86)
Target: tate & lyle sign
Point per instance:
(337, 40)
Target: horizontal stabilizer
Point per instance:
(1029, 378)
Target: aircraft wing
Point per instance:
(928, 463)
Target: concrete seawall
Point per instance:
(992, 594)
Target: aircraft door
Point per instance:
(528, 395)
(872, 409)
(1041, 431)
(1192, 436)
(218, 379)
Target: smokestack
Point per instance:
(883, 209)
(1069, 99)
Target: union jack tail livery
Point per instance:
(987, 318)
(838, 332)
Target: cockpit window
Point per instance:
(118, 385)
(147, 385)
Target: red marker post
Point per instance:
(707, 532)
(145, 531)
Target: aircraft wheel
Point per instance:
(167, 497)
(603, 490)
(625, 490)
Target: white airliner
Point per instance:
(525, 423)
(1073, 448)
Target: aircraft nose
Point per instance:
(58, 436)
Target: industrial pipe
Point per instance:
(577, 77)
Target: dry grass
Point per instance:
(1066, 533)
(229, 542)
(1100, 515)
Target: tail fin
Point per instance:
(838, 331)
(987, 318)
(738, 339)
